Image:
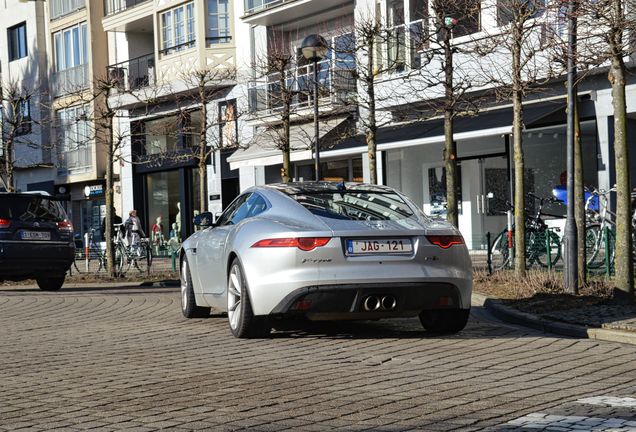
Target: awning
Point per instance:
(489, 123)
(262, 151)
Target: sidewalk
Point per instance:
(609, 322)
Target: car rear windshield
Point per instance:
(26, 208)
(355, 205)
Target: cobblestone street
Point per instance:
(124, 358)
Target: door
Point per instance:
(493, 196)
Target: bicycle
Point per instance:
(543, 244)
(600, 237)
(95, 252)
(137, 254)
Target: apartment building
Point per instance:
(23, 68)
(76, 47)
(411, 139)
(156, 48)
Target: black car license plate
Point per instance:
(35, 235)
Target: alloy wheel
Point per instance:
(184, 285)
(234, 292)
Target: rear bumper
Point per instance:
(24, 259)
(328, 302)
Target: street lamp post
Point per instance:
(314, 48)
(571, 238)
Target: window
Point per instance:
(71, 47)
(177, 28)
(22, 116)
(468, 16)
(522, 10)
(16, 36)
(74, 139)
(218, 26)
(228, 216)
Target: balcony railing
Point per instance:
(177, 48)
(133, 74)
(253, 6)
(60, 8)
(211, 41)
(337, 84)
(112, 7)
(70, 80)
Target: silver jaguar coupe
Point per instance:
(325, 251)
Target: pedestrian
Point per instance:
(134, 232)
(116, 224)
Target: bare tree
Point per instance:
(207, 85)
(517, 67)
(17, 102)
(606, 37)
(442, 78)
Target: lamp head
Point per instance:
(314, 47)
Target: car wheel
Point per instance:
(51, 283)
(189, 306)
(243, 323)
(444, 321)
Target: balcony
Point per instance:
(112, 7)
(133, 74)
(74, 158)
(60, 8)
(274, 12)
(337, 87)
(70, 80)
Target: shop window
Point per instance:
(437, 191)
(228, 126)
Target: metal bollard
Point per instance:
(547, 247)
(173, 255)
(86, 251)
(488, 253)
(606, 243)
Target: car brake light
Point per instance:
(5, 223)
(445, 241)
(65, 226)
(302, 243)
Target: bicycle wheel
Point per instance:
(602, 245)
(121, 260)
(539, 247)
(499, 252)
(141, 258)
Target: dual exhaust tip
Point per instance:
(375, 303)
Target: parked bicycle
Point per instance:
(84, 262)
(131, 253)
(600, 229)
(543, 244)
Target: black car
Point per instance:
(36, 239)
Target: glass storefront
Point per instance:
(164, 207)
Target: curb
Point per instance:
(511, 315)
(168, 283)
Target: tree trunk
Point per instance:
(8, 164)
(517, 128)
(110, 153)
(450, 150)
(579, 196)
(372, 128)
(203, 149)
(624, 278)
(285, 94)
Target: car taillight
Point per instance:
(302, 243)
(5, 223)
(65, 226)
(445, 241)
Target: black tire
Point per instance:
(499, 252)
(189, 306)
(444, 321)
(241, 319)
(51, 283)
(121, 260)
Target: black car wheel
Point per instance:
(50, 283)
(189, 306)
(444, 321)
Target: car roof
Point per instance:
(309, 187)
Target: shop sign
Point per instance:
(93, 190)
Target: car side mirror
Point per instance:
(204, 220)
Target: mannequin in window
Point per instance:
(157, 234)
(177, 222)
